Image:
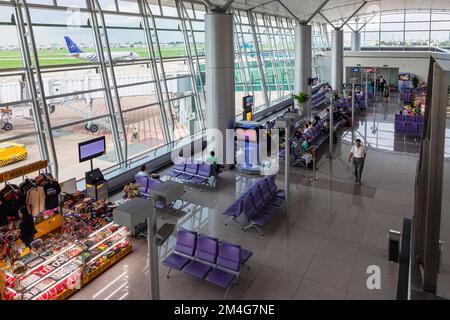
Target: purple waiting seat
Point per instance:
(254, 218)
(267, 196)
(410, 119)
(400, 117)
(400, 126)
(143, 182)
(412, 128)
(260, 206)
(177, 170)
(234, 211)
(190, 172)
(228, 266)
(205, 257)
(184, 251)
(203, 174)
(274, 189)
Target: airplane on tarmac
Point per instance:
(92, 56)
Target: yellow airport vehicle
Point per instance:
(11, 152)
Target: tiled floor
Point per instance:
(334, 229)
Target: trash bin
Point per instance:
(394, 245)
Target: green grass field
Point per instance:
(13, 59)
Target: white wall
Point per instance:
(415, 62)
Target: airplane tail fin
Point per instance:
(72, 46)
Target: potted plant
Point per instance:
(301, 98)
(415, 82)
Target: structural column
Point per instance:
(337, 59)
(220, 90)
(303, 62)
(356, 41)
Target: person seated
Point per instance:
(316, 118)
(212, 159)
(326, 126)
(308, 149)
(143, 172)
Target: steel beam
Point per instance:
(251, 20)
(316, 12)
(328, 21)
(289, 11)
(353, 14)
(368, 20)
(105, 80)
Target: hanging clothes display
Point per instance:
(35, 200)
(38, 195)
(10, 202)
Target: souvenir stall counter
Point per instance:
(59, 267)
(82, 244)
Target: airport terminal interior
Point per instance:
(224, 149)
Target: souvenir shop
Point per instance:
(75, 238)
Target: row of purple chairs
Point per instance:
(318, 99)
(408, 118)
(409, 128)
(146, 184)
(258, 205)
(207, 258)
(347, 103)
(197, 173)
(405, 96)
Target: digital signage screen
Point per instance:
(91, 149)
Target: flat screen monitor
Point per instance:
(404, 77)
(91, 149)
(248, 102)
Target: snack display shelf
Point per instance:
(46, 261)
(88, 277)
(108, 237)
(49, 274)
(53, 285)
(73, 258)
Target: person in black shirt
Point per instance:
(26, 226)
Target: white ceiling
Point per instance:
(335, 9)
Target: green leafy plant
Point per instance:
(301, 98)
(415, 82)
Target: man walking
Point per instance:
(358, 154)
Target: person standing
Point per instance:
(386, 94)
(358, 154)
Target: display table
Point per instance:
(63, 267)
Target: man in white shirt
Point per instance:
(358, 154)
